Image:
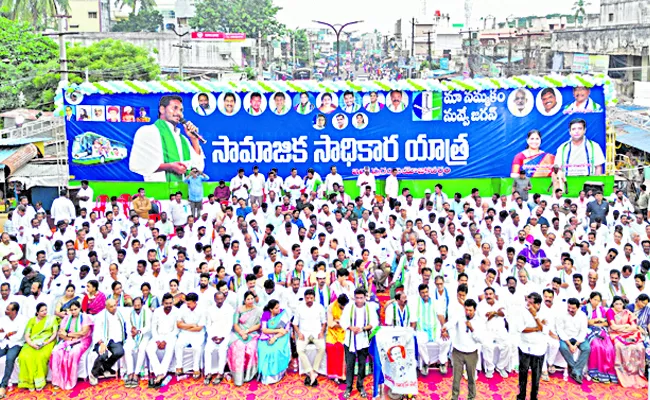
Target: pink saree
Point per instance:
(630, 353)
(64, 362)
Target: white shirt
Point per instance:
(256, 184)
(392, 186)
(359, 317)
(242, 192)
(366, 180)
(62, 209)
(461, 337)
(533, 343)
(178, 212)
(219, 321)
(147, 153)
(164, 325)
(88, 204)
(195, 317)
(17, 325)
(331, 179)
(115, 330)
(572, 327)
(310, 319)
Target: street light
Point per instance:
(338, 28)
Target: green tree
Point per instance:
(251, 17)
(144, 21)
(29, 61)
(39, 13)
(579, 10)
(301, 43)
(137, 6)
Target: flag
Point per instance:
(395, 358)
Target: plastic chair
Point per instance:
(155, 216)
(100, 205)
(125, 201)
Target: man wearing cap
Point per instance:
(163, 152)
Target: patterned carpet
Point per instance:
(291, 387)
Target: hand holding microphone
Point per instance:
(192, 130)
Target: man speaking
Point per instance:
(161, 153)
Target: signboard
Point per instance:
(425, 134)
(223, 36)
(580, 63)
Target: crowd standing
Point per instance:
(275, 272)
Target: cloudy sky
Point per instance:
(382, 14)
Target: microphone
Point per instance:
(183, 121)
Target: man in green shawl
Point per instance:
(161, 152)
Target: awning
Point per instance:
(634, 137)
(504, 60)
(39, 175)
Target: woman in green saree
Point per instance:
(40, 335)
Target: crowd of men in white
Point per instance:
(276, 237)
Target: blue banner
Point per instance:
(456, 134)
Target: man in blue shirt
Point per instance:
(195, 187)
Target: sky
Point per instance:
(382, 14)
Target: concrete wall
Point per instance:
(618, 12)
(203, 54)
(622, 39)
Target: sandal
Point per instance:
(196, 375)
(217, 379)
(207, 380)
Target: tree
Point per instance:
(144, 21)
(579, 9)
(24, 55)
(40, 13)
(251, 17)
(136, 6)
(301, 43)
(29, 61)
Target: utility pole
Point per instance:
(181, 47)
(260, 69)
(63, 58)
(338, 28)
(469, 53)
(430, 58)
(413, 38)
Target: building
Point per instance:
(89, 15)
(434, 38)
(618, 44)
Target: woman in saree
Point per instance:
(242, 353)
(94, 301)
(63, 304)
(179, 297)
(534, 161)
(40, 335)
(603, 355)
(361, 276)
(148, 300)
(334, 340)
(274, 352)
(122, 299)
(630, 353)
(238, 279)
(642, 312)
(75, 337)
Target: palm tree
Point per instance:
(136, 5)
(39, 13)
(579, 9)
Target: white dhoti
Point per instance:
(222, 351)
(492, 342)
(131, 349)
(194, 341)
(161, 367)
(423, 349)
(551, 352)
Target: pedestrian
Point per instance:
(532, 347)
(195, 187)
(465, 334)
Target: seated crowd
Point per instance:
(259, 282)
